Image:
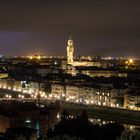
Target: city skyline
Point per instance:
(69, 69)
(109, 28)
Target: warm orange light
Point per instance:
(131, 60)
(126, 62)
(31, 57)
(39, 57)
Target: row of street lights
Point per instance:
(51, 96)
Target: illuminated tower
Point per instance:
(70, 51)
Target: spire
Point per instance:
(70, 37)
(70, 41)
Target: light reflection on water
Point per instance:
(33, 124)
(96, 121)
(37, 128)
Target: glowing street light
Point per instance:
(31, 57)
(58, 115)
(7, 96)
(32, 95)
(9, 88)
(19, 96)
(126, 62)
(99, 103)
(38, 57)
(50, 95)
(63, 95)
(22, 96)
(92, 102)
(14, 88)
(131, 60)
(10, 96)
(77, 101)
(117, 105)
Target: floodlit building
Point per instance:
(86, 94)
(58, 90)
(70, 51)
(3, 75)
(70, 57)
(132, 101)
(99, 73)
(107, 97)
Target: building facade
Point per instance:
(132, 101)
(86, 95)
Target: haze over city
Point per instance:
(98, 27)
(69, 70)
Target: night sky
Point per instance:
(98, 27)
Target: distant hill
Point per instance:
(117, 51)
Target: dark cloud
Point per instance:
(94, 25)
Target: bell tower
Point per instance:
(70, 51)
